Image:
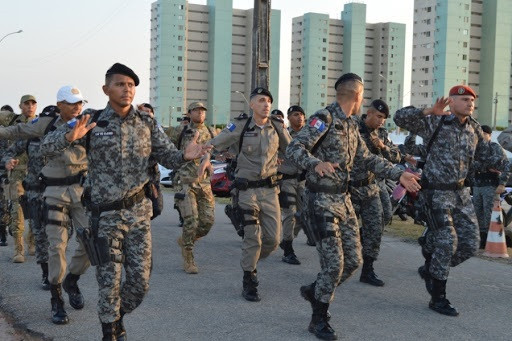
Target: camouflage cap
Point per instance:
(26, 98)
(195, 105)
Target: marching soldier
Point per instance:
(454, 141)
(119, 146)
(328, 147)
(258, 139)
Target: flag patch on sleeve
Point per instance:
(231, 126)
(34, 120)
(72, 123)
(318, 124)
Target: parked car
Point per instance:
(219, 180)
(165, 176)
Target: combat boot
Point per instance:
(250, 286)
(59, 315)
(190, 266)
(3, 236)
(70, 286)
(289, 254)
(319, 324)
(120, 331)
(368, 274)
(19, 251)
(45, 284)
(109, 331)
(439, 303)
(308, 293)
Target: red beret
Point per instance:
(460, 90)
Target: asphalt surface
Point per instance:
(209, 306)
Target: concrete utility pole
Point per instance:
(260, 44)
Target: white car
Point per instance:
(165, 176)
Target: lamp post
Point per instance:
(8, 34)
(245, 98)
(170, 115)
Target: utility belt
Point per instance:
(125, 203)
(285, 176)
(32, 187)
(67, 181)
(243, 184)
(425, 184)
(362, 183)
(336, 189)
(486, 179)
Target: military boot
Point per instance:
(424, 270)
(45, 284)
(289, 254)
(70, 286)
(3, 235)
(368, 274)
(439, 302)
(250, 286)
(189, 265)
(19, 251)
(319, 324)
(59, 315)
(120, 331)
(109, 331)
(308, 293)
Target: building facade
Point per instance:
(464, 42)
(324, 48)
(203, 53)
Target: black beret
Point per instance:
(262, 91)
(50, 110)
(296, 108)
(121, 69)
(487, 129)
(277, 112)
(347, 77)
(7, 107)
(381, 106)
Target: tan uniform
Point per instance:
(257, 165)
(62, 176)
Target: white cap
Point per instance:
(70, 94)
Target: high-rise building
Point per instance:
(203, 53)
(324, 48)
(464, 42)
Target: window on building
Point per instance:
(466, 7)
(180, 68)
(465, 32)
(465, 44)
(323, 67)
(322, 95)
(324, 49)
(429, 9)
(323, 59)
(178, 109)
(464, 70)
(180, 37)
(464, 57)
(178, 88)
(180, 48)
(180, 17)
(180, 58)
(323, 76)
(324, 40)
(179, 79)
(181, 6)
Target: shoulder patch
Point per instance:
(317, 123)
(34, 120)
(231, 126)
(72, 123)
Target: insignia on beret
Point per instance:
(260, 90)
(461, 90)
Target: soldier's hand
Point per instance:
(9, 165)
(80, 129)
(326, 168)
(194, 150)
(204, 166)
(438, 108)
(378, 143)
(410, 160)
(493, 170)
(500, 189)
(410, 181)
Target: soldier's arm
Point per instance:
(163, 150)
(391, 151)
(16, 149)
(415, 121)
(34, 128)
(299, 149)
(55, 142)
(378, 165)
(230, 135)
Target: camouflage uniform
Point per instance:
(196, 203)
(257, 164)
(366, 193)
(329, 207)
(14, 190)
(453, 230)
(484, 189)
(118, 170)
(290, 200)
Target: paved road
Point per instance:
(209, 306)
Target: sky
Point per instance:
(74, 42)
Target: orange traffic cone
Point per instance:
(496, 244)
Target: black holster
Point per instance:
(97, 248)
(23, 200)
